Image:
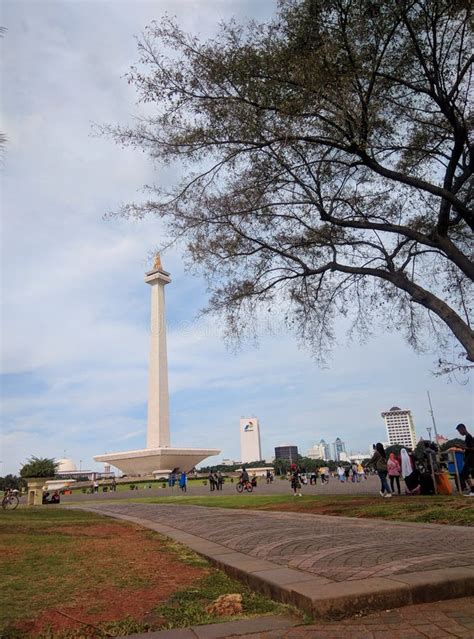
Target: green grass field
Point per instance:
(54, 559)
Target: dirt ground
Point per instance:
(148, 575)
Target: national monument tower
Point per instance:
(159, 456)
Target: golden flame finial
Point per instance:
(157, 265)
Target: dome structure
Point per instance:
(65, 465)
(395, 408)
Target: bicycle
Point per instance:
(241, 486)
(10, 500)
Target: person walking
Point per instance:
(212, 483)
(355, 477)
(341, 474)
(467, 473)
(393, 469)
(295, 480)
(379, 461)
(183, 482)
(324, 474)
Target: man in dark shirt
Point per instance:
(468, 469)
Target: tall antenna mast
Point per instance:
(432, 417)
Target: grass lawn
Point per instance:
(74, 574)
(454, 510)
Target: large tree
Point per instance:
(327, 158)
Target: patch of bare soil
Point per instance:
(120, 551)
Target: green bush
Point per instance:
(39, 467)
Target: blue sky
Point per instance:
(74, 329)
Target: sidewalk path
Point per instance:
(424, 621)
(446, 619)
(330, 566)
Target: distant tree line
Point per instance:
(13, 482)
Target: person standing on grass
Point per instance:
(295, 480)
(379, 461)
(341, 474)
(393, 469)
(467, 473)
(183, 482)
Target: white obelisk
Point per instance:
(158, 427)
(158, 458)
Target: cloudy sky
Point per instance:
(74, 329)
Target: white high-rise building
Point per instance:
(338, 447)
(400, 427)
(319, 451)
(250, 447)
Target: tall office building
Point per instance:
(250, 447)
(288, 452)
(400, 427)
(319, 451)
(338, 447)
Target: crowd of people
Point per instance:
(422, 474)
(216, 480)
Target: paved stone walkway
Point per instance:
(331, 567)
(441, 619)
(335, 548)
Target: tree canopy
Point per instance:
(39, 467)
(326, 164)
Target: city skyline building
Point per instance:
(250, 445)
(287, 452)
(338, 447)
(319, 451)
(400, 427)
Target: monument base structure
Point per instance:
(152, 461)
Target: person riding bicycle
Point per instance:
(244, 476)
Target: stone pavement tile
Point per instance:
(263, 624)
(348, 598)
(243, 562)
(285, 576)
(430, 585)
(178, 633)
(208, 548)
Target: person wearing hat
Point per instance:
(467, 473)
